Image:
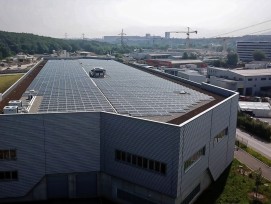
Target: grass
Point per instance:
(235, 186)
(255, 154)
(7, 80)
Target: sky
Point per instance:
(98, 18)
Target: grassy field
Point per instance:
(7, 80)
(236, 185)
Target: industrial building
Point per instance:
(172, 63)
(256, 109)
(135, 135)
(245, 49)
(248, 82)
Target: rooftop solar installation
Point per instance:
(137, 93)
(65, 86)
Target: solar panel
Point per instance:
(138, 93)
(66, 87)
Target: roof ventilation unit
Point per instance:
(15, 103)
(10, 109)
(97, 72)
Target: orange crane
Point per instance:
(187, 33)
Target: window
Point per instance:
(141, 162)
(263, 79)
(8, 175)
(193, 159)
(249, 79)
(8, 154)
(220, 135)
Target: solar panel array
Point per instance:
(138, 93)
(66, 87)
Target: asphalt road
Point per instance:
(255, 143)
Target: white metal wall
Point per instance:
(48, 144)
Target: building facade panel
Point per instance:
(151, 140)
(25, 134)
(232, 128)
(72, 138)
(219, 138)
(196, 137)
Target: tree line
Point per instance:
(13, 43)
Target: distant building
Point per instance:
(255, 82)
(173, 63)
(245, 49)
(167, 35)
(257, 109)
(258, 65)
(192, 75)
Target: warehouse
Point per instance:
(172, 63)
(133, 136)
(248, 82)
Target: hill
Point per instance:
(12, 43)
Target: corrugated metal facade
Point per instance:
(86, 142)
(48, 144)
(152, 140)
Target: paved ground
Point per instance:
(255, 143)
(253, 163)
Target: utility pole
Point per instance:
(83, 36)
(66, 36)
(122, 38)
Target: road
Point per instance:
(255, 143)
(253, 163)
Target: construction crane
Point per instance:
(224, 51)
(187, 33)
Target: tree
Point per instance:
(258, 55)
(217, 63)
(258, 181)
(193, 56)
(232, 59)
(185, 55)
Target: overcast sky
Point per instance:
(96, 18)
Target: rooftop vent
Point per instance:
(180, 92)
(10, 109)
(97, 72)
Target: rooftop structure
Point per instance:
(253, 72)
(135, 135)
(173, 63)
(258, 109)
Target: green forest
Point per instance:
(13, 43)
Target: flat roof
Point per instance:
(245, 105)
(158, 54)
(174, 61)
(253, 72)
(65, 86)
